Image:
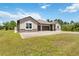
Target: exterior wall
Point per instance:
(56, 27)
(53, 27)
(36, 26)
(23, 26)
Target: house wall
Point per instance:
(56, 27)
(53, 27)
(23, 26)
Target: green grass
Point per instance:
(52, 45)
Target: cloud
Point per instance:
(70, 9)
(45, 6)
(18, 15)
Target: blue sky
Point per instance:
(15, 11)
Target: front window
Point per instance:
(28, 25)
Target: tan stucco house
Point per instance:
(29, 24)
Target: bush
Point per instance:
(70, 27)
(1, 27)
(67, 27)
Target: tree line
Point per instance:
(8, 25)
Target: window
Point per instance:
(28, 25)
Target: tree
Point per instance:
(67, 27)
(76, 27)
(6, 25)
(12, 25)
(65, 23)
(9, 25)
(1, 27)
(59, 21)
(48, 20)
(70, 27)
(71, 22)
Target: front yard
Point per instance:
(59, 44)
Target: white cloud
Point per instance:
(72, 8)
(18, 15)
(45, 6)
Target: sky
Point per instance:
(15, 11)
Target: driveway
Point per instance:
(40, 33)
(43, 33)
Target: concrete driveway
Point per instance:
(40, 33)
(43, 33)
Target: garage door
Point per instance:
(45, 28)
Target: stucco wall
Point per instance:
(57, 29)
(23, 25)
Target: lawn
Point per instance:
(11, 44)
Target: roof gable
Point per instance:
(43, 22)
(26, 19)
(36, 21)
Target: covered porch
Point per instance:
(46, 27)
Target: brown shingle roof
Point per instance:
(39, 21)
(42, 22)
(46, 22)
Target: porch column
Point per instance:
(53, 27)
(41, 27)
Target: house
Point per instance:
(30, 24)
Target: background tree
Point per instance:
(71, 22)
(59, 21)
(1, 27)
(48, 20)
(9, 25)
(12, 25)
(65, 22)
(6, 25)
(76, 26)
